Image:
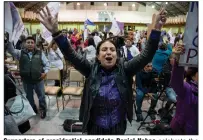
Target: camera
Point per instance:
(159, 81)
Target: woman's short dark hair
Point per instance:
(103, 41)
(99, 45)
(191, 71)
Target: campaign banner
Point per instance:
(8, 22)
(190, 40)
(13, 22)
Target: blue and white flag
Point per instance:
(88, 22)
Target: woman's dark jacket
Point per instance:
(123, 77)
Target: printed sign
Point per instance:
(190, 58)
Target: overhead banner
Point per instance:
(190, 58)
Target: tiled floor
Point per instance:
(52, 124)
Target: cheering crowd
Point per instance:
(109, 64)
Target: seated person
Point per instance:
(145, 84)
(161, 65)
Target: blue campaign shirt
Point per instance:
(108, 107)
(160, 58)
(129, 55)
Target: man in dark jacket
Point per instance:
(39, 41)
(145, 83)
(107, 95)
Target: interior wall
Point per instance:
(143, 16)
(32, 27)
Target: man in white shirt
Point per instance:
(129, 51)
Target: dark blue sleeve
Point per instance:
(18, 45)
(79, 62)
(140, 61)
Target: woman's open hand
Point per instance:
(50, 22)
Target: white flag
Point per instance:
(15, 30)
(54, 9)
(114, 27)
(8, 20)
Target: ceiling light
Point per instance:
(153, 6)
(105, 4)
(166, 2)
(78, 3)
(133, 5)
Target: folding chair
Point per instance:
(74, 76)
(53, 74)
(14, 69)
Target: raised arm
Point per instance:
(177, 77)
(51, 23)
(14, 52)
(138, 62)
(80, 63)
